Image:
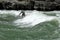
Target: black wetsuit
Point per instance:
(23, 14)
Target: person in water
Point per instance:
(23, 13)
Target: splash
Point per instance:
(33, 19)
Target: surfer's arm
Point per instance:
(20, 13)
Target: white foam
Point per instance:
(32, 18)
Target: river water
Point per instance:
(32, 19)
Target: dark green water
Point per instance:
(48, 30)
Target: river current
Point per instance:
(41, 25)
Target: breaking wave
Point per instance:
(36, 25)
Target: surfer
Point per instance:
(23, 13)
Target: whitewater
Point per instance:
(31, 19)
